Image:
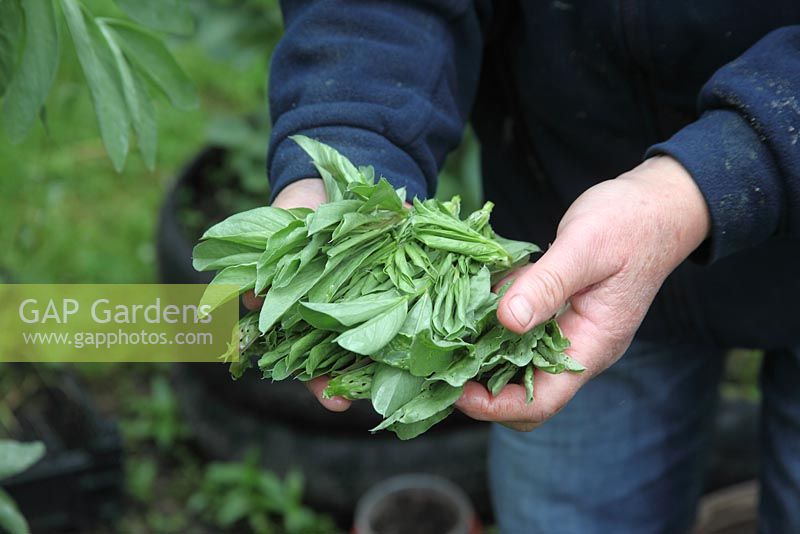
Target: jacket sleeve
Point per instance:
(744, 151)
(389, 84)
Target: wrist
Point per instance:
(685, 211)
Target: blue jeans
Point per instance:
(627, 454)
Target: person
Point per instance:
(696, 247)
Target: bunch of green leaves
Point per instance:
(236, 493)
(123, 62)
(15, 457)
(393, 302)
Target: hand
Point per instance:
(614, 247)
(307, 193)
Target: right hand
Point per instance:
(307, 193)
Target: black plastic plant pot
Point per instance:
(419, 503)
(79, 482)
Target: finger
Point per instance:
(251, 301)
(542, 289)
(509, 406)
(595, 342)
(510, 277)
(334, 404)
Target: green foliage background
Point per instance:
(69, 217)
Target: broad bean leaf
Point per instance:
(229, 283)
(407, 431)
(140, 108)
(371, 336)
(150, 56)
(335, 169)
(331, 213)
(348, 313)
(438, 396)
(217, 254)
(527, 381)
(252, 227)
(501, 377)
(12, 24)
(171, 16)
(429, 355)
(392, 388)
(36, 69)
(383, 196)
(419, 318)
(279, 300)
(103, 80)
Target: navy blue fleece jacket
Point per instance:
(561, 95)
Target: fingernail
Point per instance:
(521, 309)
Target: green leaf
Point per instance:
(527, 381)
(319, 353)
(372, 336)
(252, 227)
(352, 221)
(11, 520)
(429, 355)
(104, 85)
(518, 250)
(328, 316)
(395, 353)
(331, 213)
(501, 377)
(149, 54)
(407, 431)
(335, 169)
(460, 371)
(419, 318)
(392, 388)
(140, 108)
(216, 254)
(279, 300)
(12, 22)
(383, 196)
(36, 70)
(170, 16)
(432, 400)
(337, 274)
(16, 457)
(480, 290)
(229, 283)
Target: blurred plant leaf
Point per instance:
(37, 67)
(11, 520)
(138, 101)
(11, 24)
(150, 56)
(171, 16)
(104, 85)
(16, 457)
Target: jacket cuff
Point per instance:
(287, 162)
(737, 175)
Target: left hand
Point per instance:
(614, 247)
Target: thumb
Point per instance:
(537, 294)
